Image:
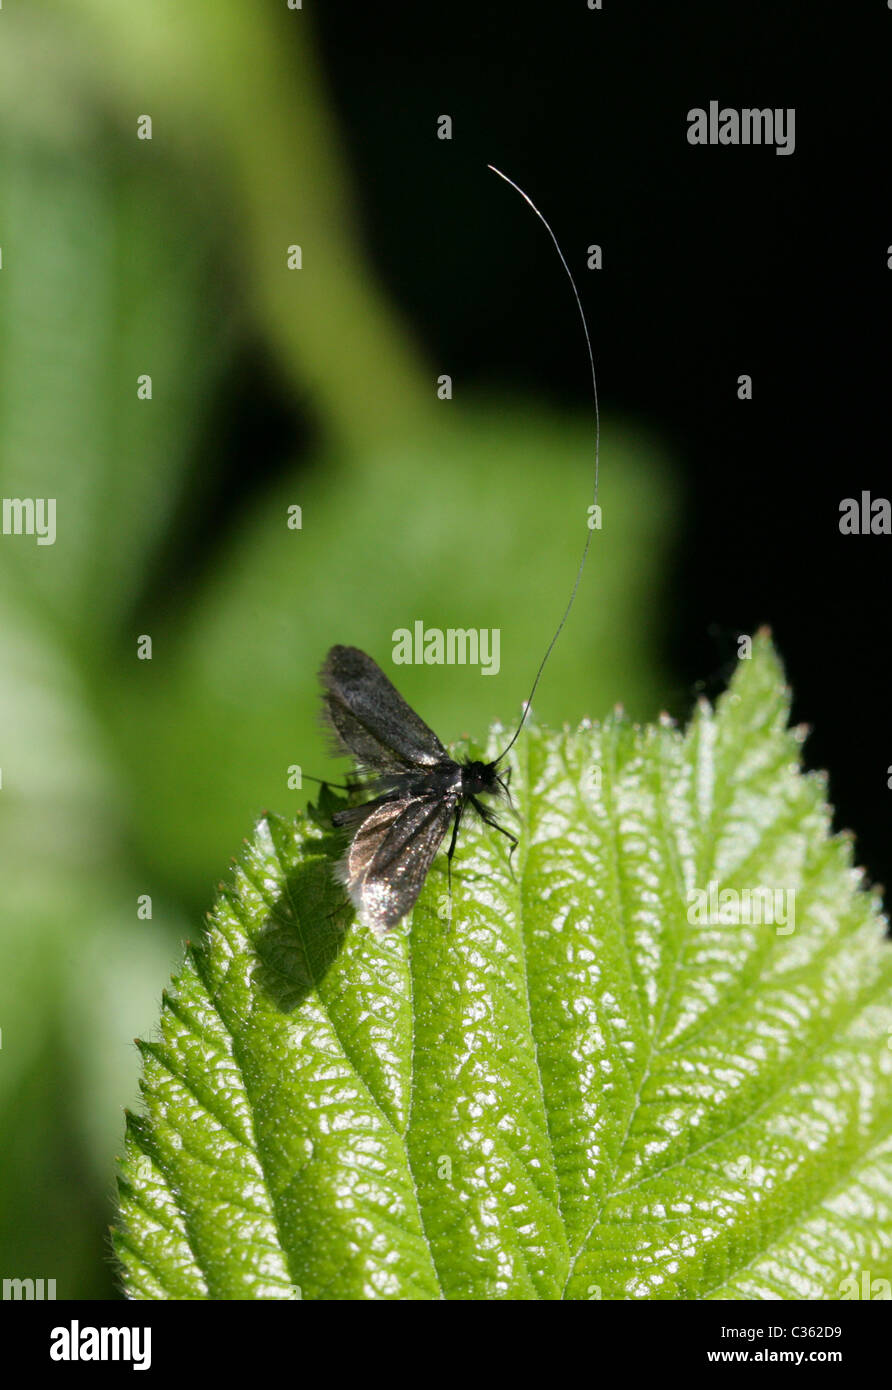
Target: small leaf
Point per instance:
(613, 1074)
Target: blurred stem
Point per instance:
(239, 84)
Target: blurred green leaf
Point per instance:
(110, 269)
(110, 273)
(572, 1089)
(78, 968)
(280, 175)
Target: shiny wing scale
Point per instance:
(389, 856)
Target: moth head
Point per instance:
(479, 777)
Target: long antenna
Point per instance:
(589, 532)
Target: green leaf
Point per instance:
(574, 1088)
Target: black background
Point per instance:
(717, 262)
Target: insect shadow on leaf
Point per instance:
(307, 925)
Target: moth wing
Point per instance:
(370, 719)
(390, 854)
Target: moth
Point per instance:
(421, 790)
(418, 791)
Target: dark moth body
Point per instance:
(419, 790)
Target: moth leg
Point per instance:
(489, 819)
(459, 812)
(504, 783)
